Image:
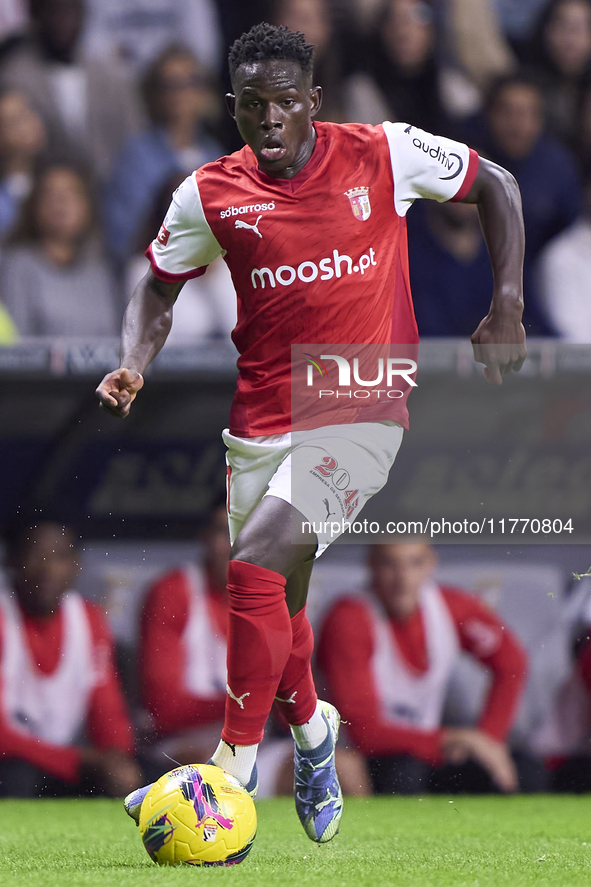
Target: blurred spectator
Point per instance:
(564, 278)
(58, 678)
(388, 657)
(583, 140)
(22, 141)
(88, 104)
(13, 23)
(184, 626)
(137, 31)
(513, 135)
(476, 41)
(561, 56)
(55, 281)
(314, 19)
(400, 62)
(180, 103)
(518, 20)
(449, 267)
(207, 306)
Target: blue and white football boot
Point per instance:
(133, 802)
(318, 795)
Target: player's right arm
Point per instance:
(183, 249)
(146, 325)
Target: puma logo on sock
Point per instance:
(237, 699)
(291, 698)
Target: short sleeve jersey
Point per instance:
(320, 258)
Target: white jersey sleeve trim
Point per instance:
(424, 165)
(185, 243)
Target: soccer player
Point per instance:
(294, 213)
(182, 656)
(388, 657)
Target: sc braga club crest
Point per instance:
(359, 200)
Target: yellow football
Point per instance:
(198, 815)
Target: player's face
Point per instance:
(398, 572)
(45, 568)
(273, 105)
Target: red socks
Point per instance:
(259, 644)
(296, 695)
(268, 655)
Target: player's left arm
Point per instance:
(499, 340)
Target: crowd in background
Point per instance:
(105, 107)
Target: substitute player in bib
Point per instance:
(58, 682)
(388, 655)
(310, 218)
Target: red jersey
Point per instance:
(321, 258)
(347, 647)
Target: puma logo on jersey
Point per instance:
(237, 699)
(239, 223)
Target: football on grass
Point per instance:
(198, 815)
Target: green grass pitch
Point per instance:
(407, 842)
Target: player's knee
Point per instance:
(272, 538)
(258, 552)
(271, 552)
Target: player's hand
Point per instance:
(461, 744)
(113, 771)
(118, 391)
(499, 343)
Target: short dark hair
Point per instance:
(265, 43)
(525, 77)
(19, 531)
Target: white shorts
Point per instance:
(327, 473)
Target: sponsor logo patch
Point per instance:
(163, 235)
(242, 210)
(450, 161)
